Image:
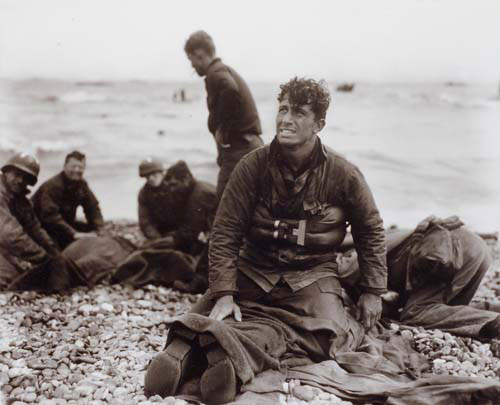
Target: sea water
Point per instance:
(427, 148)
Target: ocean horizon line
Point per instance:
(198, 80)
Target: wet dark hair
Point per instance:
(307, 91)
(74, 155)
(200, 40)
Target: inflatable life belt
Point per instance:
(320, 232)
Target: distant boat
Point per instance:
(347, 87)
(455, 84)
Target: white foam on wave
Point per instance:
(460, 103)
(8, 145)
(39, 146)
(55, 145)
(82, 97)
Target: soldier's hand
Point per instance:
(369, 310)
(224, 307)
(219, 138)
(81, 235)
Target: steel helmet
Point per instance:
(27, 164)
(150, 165)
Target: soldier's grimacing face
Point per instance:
(154, 179)
(296, 125)
(74, 169)
(15, 180)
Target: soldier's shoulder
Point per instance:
(54, 181)
(257, 155)
(338, 161)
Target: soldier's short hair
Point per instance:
(307, 91)
(200, 40)
(76, 154)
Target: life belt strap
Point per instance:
(321, 231)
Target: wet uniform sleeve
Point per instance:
(50, 213)
(145, 223)
(229, 106)
(34, 229)
(368, 234)
(15, 240)
(91, 209)
(231, 225)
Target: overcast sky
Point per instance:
(383, 40)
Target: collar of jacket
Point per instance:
(317, 157)
(70, 183)
(213, 66)
(162, 188)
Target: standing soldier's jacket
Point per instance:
(184, 212)
(22, 239)
(57, 200)
(263, 191)
(230, 104)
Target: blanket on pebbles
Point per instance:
(384, 369)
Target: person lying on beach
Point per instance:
(435, 270)
(57, 200)
(233, 119)
(176, 211)
(273, 245)
(24, 245)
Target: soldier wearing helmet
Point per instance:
(23, 243)
(176, 207)
(57, 200)
(152, 199)
(172, 201)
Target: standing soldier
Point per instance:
(233, 119)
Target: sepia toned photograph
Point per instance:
(268, 202)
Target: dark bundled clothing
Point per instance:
(230, 103)
(436, 270)
(258, 184)
(56, 202)
(181, 207)
(155, 220)
(156, 262)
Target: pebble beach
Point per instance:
(92, 346)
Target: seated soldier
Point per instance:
(273, 245)
(152, 197)
(23, 243)
(435, 271)
(177, 208)
(57, 200)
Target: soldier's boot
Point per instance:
(168, 370)
(218, 383)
